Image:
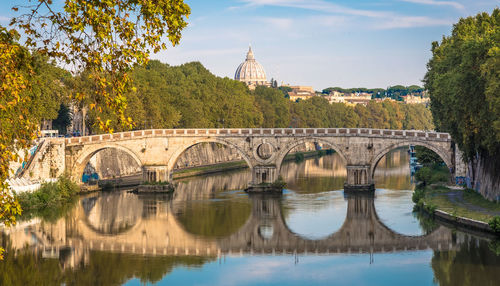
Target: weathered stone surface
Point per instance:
(160, 149)
(110, 163)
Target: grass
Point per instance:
(436, 196)
(475, 198)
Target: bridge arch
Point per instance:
(84, 158)
(289, 147)
(180, 150)
(443, 154)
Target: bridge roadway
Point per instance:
(263, 149)
(148, 226)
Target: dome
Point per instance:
(250, 71)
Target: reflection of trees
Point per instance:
(213, 218)
(473, 264)
(427, 223)
(315, 175)
(26, 268)
(392, 171)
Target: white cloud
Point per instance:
(4, 19)
(281, 23)
(384, 19)
(317, 5)
(412, 22)
(453, 4)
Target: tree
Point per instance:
(105, 38)
(463, 80)
(274, 107)
(427, 157)
(63, 119)
(16, 122)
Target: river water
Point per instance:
(210, 232)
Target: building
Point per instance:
(301, 92)
(251, 72)
(415, 99)
(349, 98)
(78, 116)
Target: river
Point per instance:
(210, 232)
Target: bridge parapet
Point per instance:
(262, 132)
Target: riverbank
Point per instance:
(50, 201)
(463, 207)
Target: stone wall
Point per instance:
(485, 173)
(207, 154)
(48, 162)
(111, 163)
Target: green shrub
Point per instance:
(51, 201)
(495, 224)
(279, 183)
(299, 157)
(418, 195)
(494, 246)
(439, 177)
(430, 208)
(424, 175)
(330, 151)
(432, 174)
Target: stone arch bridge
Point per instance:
(263, 150)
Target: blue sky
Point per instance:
(356, 43)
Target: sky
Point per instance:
(320, 43)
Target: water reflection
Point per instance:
(393, 171)
(158, 229)
(209, 224)
(315, 175)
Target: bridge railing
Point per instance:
(232, 132)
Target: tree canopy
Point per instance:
(189, 95)
(463, 80)
(102, 40)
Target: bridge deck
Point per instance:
(274, 132)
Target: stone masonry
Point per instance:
(157, 151)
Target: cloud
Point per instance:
(412, 22)
(281, 23)
(453, 4)
(4, 19)
(384, 19)
(317, 5)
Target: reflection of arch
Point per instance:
(361, 230)
(187, 216)
(290, 146)
(179, 151)
(441, 153)
(85, 157)
(112, 211)
(319, 238)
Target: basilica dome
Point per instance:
(251, 72)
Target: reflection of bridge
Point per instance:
(263, 149)
(148, 226)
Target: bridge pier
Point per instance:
(155, 173)
(358, 179)
(264, 174)
(263, 178)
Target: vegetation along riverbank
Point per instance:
(460, 206)
(49, 202)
